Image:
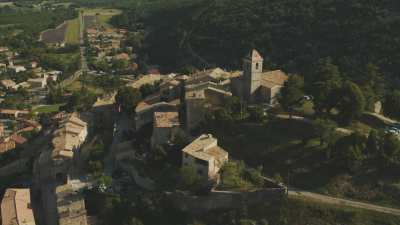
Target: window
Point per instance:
(257, 66)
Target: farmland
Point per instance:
(56, 35)
(72, 32)
(98, 17)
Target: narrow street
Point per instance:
(122, 124)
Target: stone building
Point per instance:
(165, 126)
(16, 207)
(70, 206)
(205, 155)
(199, 100)
(255, 85)
(144, 113)
(53, 170)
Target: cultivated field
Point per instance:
(56, 35)
(98, 17)
(72, 32)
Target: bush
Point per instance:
(234, 175)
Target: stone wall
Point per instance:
(222, 199)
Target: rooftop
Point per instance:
(66, 137)
(15, 207)
(205, 148)
(166, 119)
(7, 83)
(273, 78)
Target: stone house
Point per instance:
(17, 68)
(71, 208)
(8, 84)
(67, 139)
(53, 170)
(13, 113)
(144, 113)
(256, 85)
(205, 155)
(165, 126)
(198, 101)
(16, 207)
(7, 144)
(38, 82)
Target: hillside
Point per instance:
(292, 34)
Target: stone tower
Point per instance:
(252, 70)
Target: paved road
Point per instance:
(295, 193)
(84, 67)
(122, 124)
(306, 120)
(382, 118)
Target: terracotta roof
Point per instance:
(123, 56)
(18, 139)
(273, 78)
(166, 119)
(205, 148)
(16, 209)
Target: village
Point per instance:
(106, 127)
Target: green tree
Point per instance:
(190, 180)
(326, 82)
(256, 177)
(80, 101)
(128, 98)
(292, 93)
(372, 146)
(351, 103)
(349, 151)
(390, 154)
(134, 221)
(256, 114)
(324, 128)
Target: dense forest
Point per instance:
(291, 34)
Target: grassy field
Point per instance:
(72, 32)
(77, 86)
(103, 20)
(48, 108)
(101, 11)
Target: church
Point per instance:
(255, 85)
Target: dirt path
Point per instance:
(295, 193)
